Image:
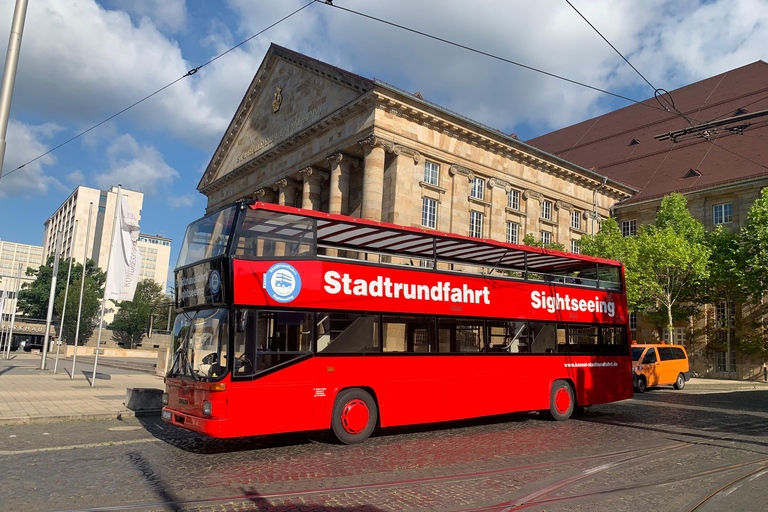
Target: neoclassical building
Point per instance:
(311, 135)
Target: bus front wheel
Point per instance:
(562, 401)
(354, 416)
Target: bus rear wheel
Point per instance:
(562, 401)
(354, 416)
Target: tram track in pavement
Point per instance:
(179, 504)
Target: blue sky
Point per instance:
(82, 61)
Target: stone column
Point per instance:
(497, 228)
(264, 195)
(310, 193)
(532, 213)
(286, 190)
(340, 165)
(403, 198)
(373, 178)
(564, 211)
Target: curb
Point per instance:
(60, 418)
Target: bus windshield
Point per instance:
(200, 344)
(207, 237)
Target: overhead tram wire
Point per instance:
(486, 54)
(187, 74)
(657, 93)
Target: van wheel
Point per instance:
(680, 382)
(562, 401)
(354, 416)
(641, 385)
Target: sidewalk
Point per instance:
(699, 384)
(31, 395)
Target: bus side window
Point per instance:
(545, 338)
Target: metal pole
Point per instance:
(168, 326)
(118, 206)
(50, 301)
(66, 293)
(9, 74)
(82, 282)
(15, 302)
(2, 317)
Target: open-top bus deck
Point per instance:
(293, 320)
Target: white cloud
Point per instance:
(136, 166)
(169, 15)
(76, 178)
(181, 201)
(24, 143)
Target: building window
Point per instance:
(513, 228)
(633, 321)
(429, 213)
(720, 318)
(576, 219)
(431, 172)
(476, 224)
(546, 237)
(575, 247)
(723, 213)
(679, 336)
(628, 227)
(478, 188)
(513, 199)
(720, 361)
(546, 210)
(426, 263)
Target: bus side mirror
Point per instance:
(242, 320)
(149, 325)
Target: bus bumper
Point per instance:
(209, 427)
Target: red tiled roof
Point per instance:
(621, 144)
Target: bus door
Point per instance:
(269, 390)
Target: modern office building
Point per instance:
(13, 255)
(155, 250)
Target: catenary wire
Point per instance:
(187, 74)
(657, 92)
(486, 54)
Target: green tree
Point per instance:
(671, 271)
(33, 297)
(132, 317)
(530, 241)
(92, 293)
(608, 243)
(754, 243)
(673, 213)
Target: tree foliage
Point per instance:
(754, 242)
(33, 297)
(132, 317)
(530, 241)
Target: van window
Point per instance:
(679, 353)
(637, 353)
(650, 356)
(665, 353)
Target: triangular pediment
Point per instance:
(289, 93)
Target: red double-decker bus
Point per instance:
(292, 320)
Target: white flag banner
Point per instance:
(124, 259)
(2, 304)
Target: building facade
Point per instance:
(314, 136)
(102, 204)
(711, 150)
(13, 255)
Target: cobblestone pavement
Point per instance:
(664, 450)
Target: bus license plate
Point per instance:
(167, 415)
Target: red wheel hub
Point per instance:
(354, 416)
(562, 400)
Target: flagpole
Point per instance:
(66, 293)
(50, 301)
(3, 298)
(82, 283)
(118, 206)
(15, 303)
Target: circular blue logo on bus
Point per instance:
(283, 282)
(215, 282)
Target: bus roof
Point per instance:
(350, 233)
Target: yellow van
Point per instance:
(659, 365)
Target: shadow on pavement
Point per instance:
(197, 443)
(154, 481)
(9, 368)
(263, 504)
(99, 376)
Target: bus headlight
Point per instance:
(165, 398)
(206, 408)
